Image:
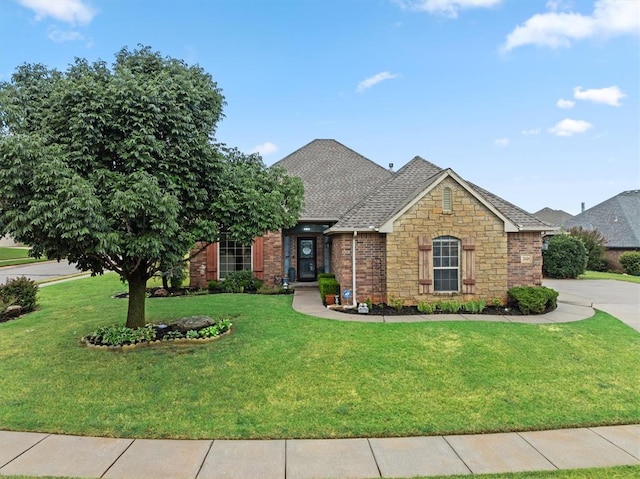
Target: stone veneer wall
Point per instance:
(468, 220)
(370, 265)
(525, 259)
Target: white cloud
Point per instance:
(609, 96)
(569, 127)
(446, 8)
(61, 36)
(265, 148)
(69, 11)
(531, 132)
(555, 5)
(501, 142)
(553, 29)
(375, 79)
(562, 103)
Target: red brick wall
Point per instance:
(198, 268)
(272, 261)
(613, 257)
(524, 262)
(273, 256)
(370, 265)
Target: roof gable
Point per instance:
(335, 178)
(343, 186)
(390, 196)
(448, 173)
(617, 219)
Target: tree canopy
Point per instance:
(117, 168)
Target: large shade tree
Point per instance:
(116, 168)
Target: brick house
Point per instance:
(618, 221)
(421, 233)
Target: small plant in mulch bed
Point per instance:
(195, 327)
(523, 300)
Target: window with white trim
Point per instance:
(233, 256)
(446, 264)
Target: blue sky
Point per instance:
(537, 101)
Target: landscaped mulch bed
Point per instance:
(386, 310)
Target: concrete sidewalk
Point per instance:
(307, 300)
(37, 454)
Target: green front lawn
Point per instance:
(281, 374)
(616, 276)
(11, 256)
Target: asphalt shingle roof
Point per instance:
(617, 219)
(518, 216)
(344, 186)
(335, 178)
(391, 196)
(553, 217)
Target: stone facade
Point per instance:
(483, 268)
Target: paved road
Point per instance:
(38, 271)
(618, 298)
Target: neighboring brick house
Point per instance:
(618, 221)
(417, 234)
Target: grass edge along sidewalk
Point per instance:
(281, 374)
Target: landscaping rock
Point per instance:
(193, 322)
(160, 293)
(13, 311)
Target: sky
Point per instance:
(537, 101)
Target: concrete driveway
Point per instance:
(47, 270)
(618, 298)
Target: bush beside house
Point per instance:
(565, 257)
(630, 261)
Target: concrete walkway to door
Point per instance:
(577, 300)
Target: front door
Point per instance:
(306, 259)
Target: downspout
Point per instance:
(353, 268)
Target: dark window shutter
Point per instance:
(469, 273)
(258, 257)
(212, 262)
(424, 264)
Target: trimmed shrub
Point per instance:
(594, 242)
(325, 275)
(328, 285)
(240, 282)
(20, 291)
(565, 257)
(630, 261)
(533, 299)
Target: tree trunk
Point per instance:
(137, 296)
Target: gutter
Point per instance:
(353, 268)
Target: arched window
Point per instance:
(446, 199)
(446, 264)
